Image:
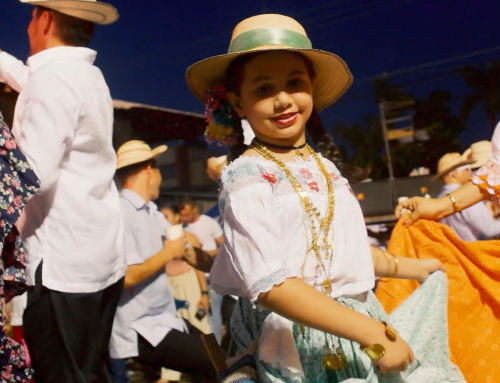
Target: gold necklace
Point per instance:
(337, 360)
(310, 212)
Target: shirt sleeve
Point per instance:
(131, 248)
(250, 260)
(479, 217)
(216, 229)
(49, 114)
(488, 176)
(13, 72)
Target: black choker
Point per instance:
(283, 147)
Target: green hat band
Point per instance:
(259, 37)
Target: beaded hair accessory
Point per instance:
(220, 122)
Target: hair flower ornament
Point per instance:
(218, 112)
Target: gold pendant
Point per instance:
(334, 362)
(390, 332)
(327, 286)
(303, 331)
(341, 357)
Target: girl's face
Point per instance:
(276, 97)
(172, 218)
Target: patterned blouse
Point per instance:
(18, 183)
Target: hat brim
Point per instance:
(332, 80)
(155, 154)
(451, 168)
(94, 11)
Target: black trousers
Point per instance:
(68, 333)
(179, 351)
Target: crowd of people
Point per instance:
(113, 279)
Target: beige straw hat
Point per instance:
(450, 162)
(89, 10)
(135, 152)
(274, 32)
(480, 153)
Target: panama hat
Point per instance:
(89, 10)
(480, 152)
(135, 152)
(267, 33)
(450, 162)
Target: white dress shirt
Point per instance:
(207, 230)
(63, 122)
(147, 308)
(474, 223)
(13, 72)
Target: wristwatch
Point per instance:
(204, 292)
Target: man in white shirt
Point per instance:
(209, 233)
(146, 325)
(476, 222)
(206, 229)
(73, 228)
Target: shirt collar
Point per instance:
(44, 57)
(153, 208)
(134, 198)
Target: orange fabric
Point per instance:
(484, 185)
(473, 270)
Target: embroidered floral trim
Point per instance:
(266, 283)
(488, 178)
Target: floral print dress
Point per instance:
(18, 183)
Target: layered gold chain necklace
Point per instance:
(337, 360)
(311, 213)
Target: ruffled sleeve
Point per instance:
(488, 176)
(251, 260)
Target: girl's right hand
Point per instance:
(398, 355)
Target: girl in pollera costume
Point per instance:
(295, 244)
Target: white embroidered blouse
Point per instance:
(265, 243)
(264, 233)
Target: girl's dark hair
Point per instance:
(314, 126)
(174, 207)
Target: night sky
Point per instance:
(145, 54)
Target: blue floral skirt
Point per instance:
(421, 321)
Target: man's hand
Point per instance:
(204, 302)
(176, 247)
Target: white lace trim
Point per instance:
(266, 283)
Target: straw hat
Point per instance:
(135, 152)
(89, 10)
(274, 32)
(480, 152)
(450, 162)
